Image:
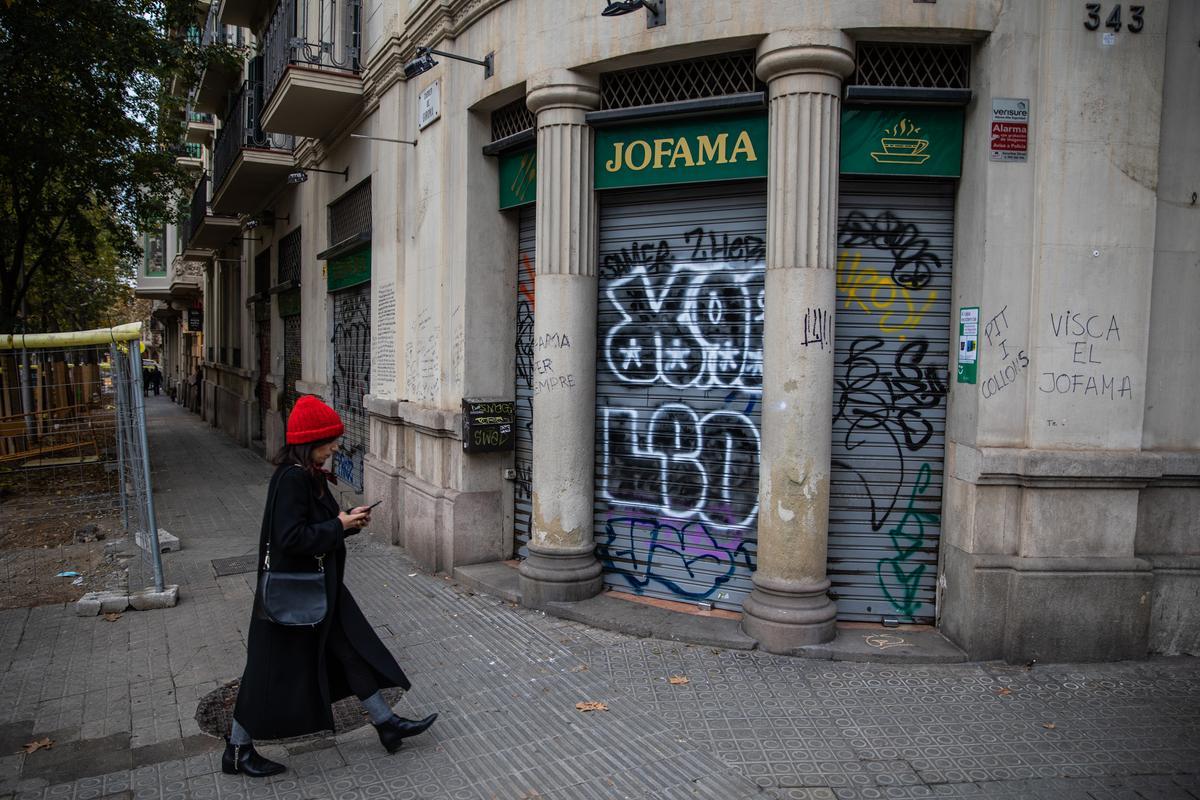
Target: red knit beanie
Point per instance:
(311, 421)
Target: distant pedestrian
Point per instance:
(195, 382)
(145, 381)
(293, 673)
(156, 379)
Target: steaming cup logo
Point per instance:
(901, 145)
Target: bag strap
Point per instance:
(271, 501)
(271, 525)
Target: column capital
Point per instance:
(562, 88)
(805, 52)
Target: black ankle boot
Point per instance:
(244, 759)
(393, 732)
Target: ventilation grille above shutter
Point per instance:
(511, 119)
(350, 214)
(715, 76)
(916, 66)
(289, 257)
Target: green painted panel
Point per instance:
(289, 303)
(684, 151)
(902, 141)
(349, 270)
(518, 179)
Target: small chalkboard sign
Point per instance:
(487, 425)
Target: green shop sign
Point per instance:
(902, 141)
(348, 270)
(289, 303)
(690, 151)
(518, 179)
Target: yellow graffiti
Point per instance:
(877, 294)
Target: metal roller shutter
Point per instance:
(523, 457)
(678, 390)
(289, 270)
(292, 338)
(892, 356)
(350, 355)
(262, 387)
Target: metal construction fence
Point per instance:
(76, 496)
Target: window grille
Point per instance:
(715, 76)
(511, 119)
(906, 65)
(289, 257)
(262, 271)
(350, 214)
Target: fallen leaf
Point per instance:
(112, 616)
(44, 743)
(1049, 726)
(677, 680)
(1004, 691)
(580, 668)
(591, 705)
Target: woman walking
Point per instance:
(295, 672)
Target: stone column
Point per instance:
(789, 607)
(562, 564)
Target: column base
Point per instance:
(781, 620)
(559, 576)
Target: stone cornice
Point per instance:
(434, 20)
(384, 70)
(430, 421)
(1074, 469)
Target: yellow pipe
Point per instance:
(119, 333)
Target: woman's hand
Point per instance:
(354, 520)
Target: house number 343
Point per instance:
(1114, 17)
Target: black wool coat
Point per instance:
(290, 681)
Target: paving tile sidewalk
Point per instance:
(119, 698)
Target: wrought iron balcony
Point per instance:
(220, 77)
(190, 154)
(245, 13)
(200, 126)
(206, 230)
(248, 163)
(311, 62)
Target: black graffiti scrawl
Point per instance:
(351, 379)
(889, 396)
(913, 263)
(890, 386)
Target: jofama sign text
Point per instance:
(712, 149)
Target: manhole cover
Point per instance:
(236, 565)
(215, 710)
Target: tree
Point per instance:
(86, 282)
(86, 143)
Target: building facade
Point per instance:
(815, 312)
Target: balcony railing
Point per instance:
(199, 208)
(184, 232)
(241, 130)
(216, 33)
(319, 34)
(200, 117)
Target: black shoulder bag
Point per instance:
(295, 599)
